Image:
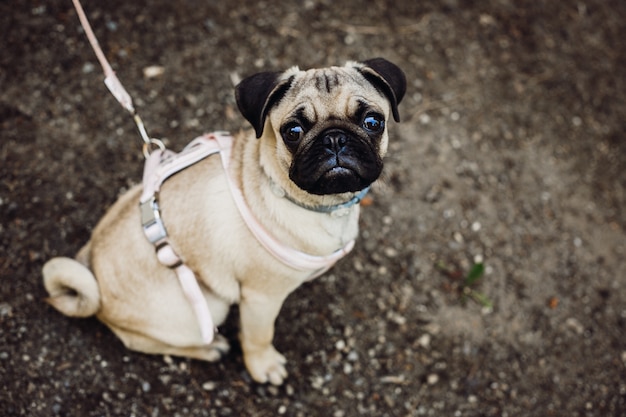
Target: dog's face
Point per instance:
(329, 125)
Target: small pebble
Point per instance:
(432, 379)
(347, 368)
(391, 252)
(317, 382)
(209, 386)
(424, 340)
(575, 325)
(393, 379)
(88, 68)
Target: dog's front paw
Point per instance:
(266, 365)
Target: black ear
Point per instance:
(257, 94)
(387, 77)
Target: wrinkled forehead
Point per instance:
(338, 90)
(329, 80)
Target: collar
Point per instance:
(337, 210)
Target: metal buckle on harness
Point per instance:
(151, 220)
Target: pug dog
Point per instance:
(318, 141)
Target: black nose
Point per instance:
(335, 140)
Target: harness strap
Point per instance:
(159, 166)
(162, 164)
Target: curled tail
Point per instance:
(72, 287)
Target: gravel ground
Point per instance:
(511, 154)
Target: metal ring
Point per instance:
(146, 146)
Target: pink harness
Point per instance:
(162, 164)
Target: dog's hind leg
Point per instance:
(142, 343)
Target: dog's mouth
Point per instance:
(338, 180)
(337, 171)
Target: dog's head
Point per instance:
(329, 124)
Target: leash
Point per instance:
(114, 84)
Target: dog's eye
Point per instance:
(373, 123)
(293, 132)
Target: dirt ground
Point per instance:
(511, 153)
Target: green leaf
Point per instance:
(474, 274)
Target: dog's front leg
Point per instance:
(258, 311)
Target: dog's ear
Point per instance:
(388, 78)
(257, 94)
